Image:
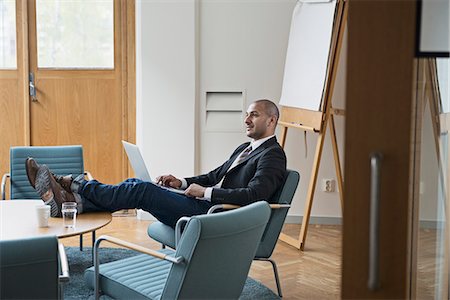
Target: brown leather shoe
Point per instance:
(51, 191)
(64, 181)
(31, 167)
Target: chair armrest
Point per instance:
(135, 247)
(278, 206)
(221, 206)
(232, 206)
(3, 187)
(88, 175)
(113, 240)
(64, 277)
(180, 222)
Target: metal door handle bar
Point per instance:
(32, 87)
(375, 175)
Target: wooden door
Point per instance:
(77, 102)
(380, 114)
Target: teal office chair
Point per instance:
(211, 262)
(168, 236)
(30, 268)
(61, 160)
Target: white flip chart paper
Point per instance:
(307, 54)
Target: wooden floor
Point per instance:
(312, 274)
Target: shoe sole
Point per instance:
(43, 185)
(42, 180)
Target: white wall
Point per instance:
(166, 109)
(242, 49)
(188, 47)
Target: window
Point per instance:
(75, 34)
(8, 51)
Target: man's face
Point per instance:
(258, 124)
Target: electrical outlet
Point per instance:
(328, 185)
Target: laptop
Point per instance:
(138, 165)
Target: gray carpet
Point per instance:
(79, 261)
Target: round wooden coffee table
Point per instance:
(18, 220)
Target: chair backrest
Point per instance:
(218, 251)
(29, 268)
(284, 196)
(61, 160)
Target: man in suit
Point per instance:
(254, 172)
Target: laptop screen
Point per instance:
(136, 161)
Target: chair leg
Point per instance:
(93, 243)
(60, 290)
(81, 242)
(275, 271)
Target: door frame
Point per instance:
(23, 65)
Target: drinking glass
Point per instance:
(69, 213)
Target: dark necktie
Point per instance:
(244, 155)
(238, 160)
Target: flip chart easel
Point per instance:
(307, 116)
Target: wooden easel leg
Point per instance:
(337, 161)
(430, 91)
(300, 242)
(283, 135)
(284, 237)
(311, 188)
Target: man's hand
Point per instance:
(169, 180)
(195, 190)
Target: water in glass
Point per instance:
(69, 213)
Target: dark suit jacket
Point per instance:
(257, 178)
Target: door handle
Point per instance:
(32, 88)
(374, 231)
